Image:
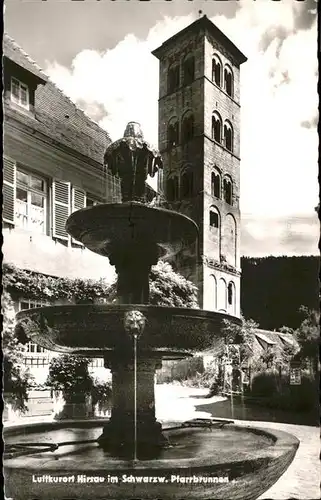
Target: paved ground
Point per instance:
(302, 479)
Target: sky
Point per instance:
(99, 53)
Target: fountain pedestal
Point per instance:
(119, 434)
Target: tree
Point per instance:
(241, 335)
(100, 394)
(308, 337)
(70, 375)
(167, 288)
(16, 378)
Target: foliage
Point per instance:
(274, 390)
(100, 393)
(37, 286)
(269, 356)
(168, 288)
(16, 378)
(308, 334)
(273, 288)
(241, 335)
(70, 375)
(308, 338)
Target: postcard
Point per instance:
(160, 250)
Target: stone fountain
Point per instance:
(132, 456)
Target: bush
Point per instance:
(274, 391)
(70, 375)
(264, 384)
(16, 378)
(101, 394)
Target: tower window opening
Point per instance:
(216, 70)
(228, 136)
(172, 134)
(216, 128)
(187, 128)
(187, 182)
(214, 218)
(228, 81)
(189, 70)
(173, 79)
(230, 293)
(215, 184)
(227, 188)
(172, 189)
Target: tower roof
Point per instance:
(205, 24)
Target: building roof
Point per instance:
(56, 115)
(287, 338)
(266, 336)
(276, 338)
(196, 26)
(12, 51)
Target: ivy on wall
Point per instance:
(21, 283)
(167, 288)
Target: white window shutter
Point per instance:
(61, 208)
(78, 201)
(9, 189)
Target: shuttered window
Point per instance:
(61, 208)
(78, 202)
(30, 202)
(9, 188)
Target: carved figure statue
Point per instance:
(132, 159)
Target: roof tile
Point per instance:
(55, 114)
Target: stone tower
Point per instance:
(199, 139)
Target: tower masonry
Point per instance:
(199, 140)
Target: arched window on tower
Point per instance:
(173, 78)
(213, 304)
(172, 189)
(216, 184)
(216, 127)
(188, 70)
(214, 218)
(228, 136)
(187, 181)
(216, 70)
(228, 81)
(231, 298)
(172, 133)
(230, 293)
(221, 299)
(227, 190)
(187, 127)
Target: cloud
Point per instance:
(122, 80)
(279, 235)
(278, 95)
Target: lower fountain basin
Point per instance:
(95, 330)
(224, 462)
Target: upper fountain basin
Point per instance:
(95, 330)
(102, 227)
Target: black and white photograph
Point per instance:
(161, 250)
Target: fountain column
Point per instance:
(119, 433)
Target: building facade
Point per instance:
(52, 166)
(199, 139)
